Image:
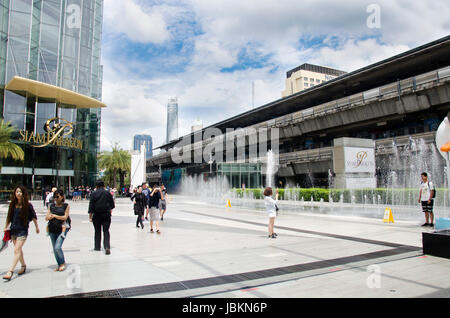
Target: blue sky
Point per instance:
(207, 53)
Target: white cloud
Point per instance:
(212, 34)
(125, 16)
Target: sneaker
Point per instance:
(273, 236)
(425, 224)
(431, 224)
(151, 231)
(107, 251)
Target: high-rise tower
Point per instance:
(172, 120)
(139, 140)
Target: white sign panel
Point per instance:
(361, 183)
(359, 159)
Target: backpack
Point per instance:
(434, 190)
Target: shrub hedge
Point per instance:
(407, 196)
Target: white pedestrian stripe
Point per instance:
(274, 255)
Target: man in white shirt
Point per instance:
(426, 195)
(49, 199)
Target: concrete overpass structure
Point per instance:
(395, 102)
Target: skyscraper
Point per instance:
(50, 74)
(139, 140)
(172, 120)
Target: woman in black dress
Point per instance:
(20, 214)
(139, 206)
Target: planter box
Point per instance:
(437, 243)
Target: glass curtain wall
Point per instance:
(56, 42)
(238, 174)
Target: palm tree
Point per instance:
(105, 161)
(125, 159)
(117, 160)
(8, 148)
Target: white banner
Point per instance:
(359, 159)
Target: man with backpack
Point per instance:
(101, 204)
(146, 192)
(426, 195)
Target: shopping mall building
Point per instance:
(51, 90)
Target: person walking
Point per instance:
(101, 205)
(58, 226)
(271, 208)
(426, 195)
(139, 199)
(146, 192)
(20, 214)
(163, 202)
(155, 196)
(49, 198)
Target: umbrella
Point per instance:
(6, 239)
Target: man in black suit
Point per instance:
(101, 204)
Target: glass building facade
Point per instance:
(139, 140)
(57, 42)
(172, 120)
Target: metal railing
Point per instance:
(388, 91)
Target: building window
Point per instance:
(305, 78)
(317, 80)
(311, 79)
(306, 85)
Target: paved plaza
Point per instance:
(210, 250)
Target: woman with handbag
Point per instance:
(272, 208)
(139, 206)
(20, 214)
(58, 226)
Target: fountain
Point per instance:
(398, 173)
(270, 169)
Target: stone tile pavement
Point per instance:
(208, 250)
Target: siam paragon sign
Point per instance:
(56, 128)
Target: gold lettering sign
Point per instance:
(360, 156)
(56, 128)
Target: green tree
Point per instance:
(8, 148)
(115, 161)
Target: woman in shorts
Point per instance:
(271, 208)
(20, 214)
(155, 196)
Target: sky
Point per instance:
(207, 53)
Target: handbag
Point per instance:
(6, 239)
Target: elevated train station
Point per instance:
(396, 103)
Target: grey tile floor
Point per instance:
(208, 250)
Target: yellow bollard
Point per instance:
(228, 204)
